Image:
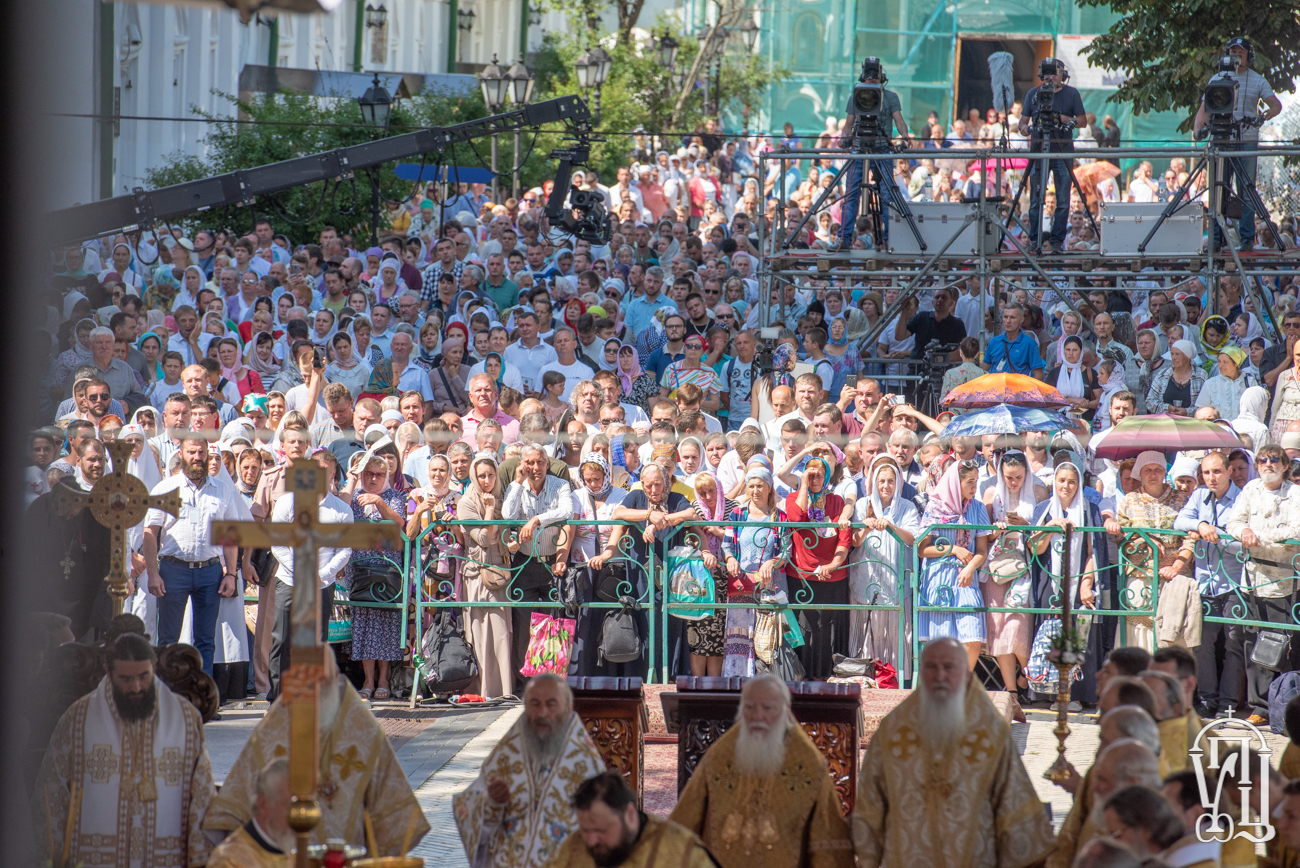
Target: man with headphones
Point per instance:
(891, 114)
(1252, 89)
(1068, 106)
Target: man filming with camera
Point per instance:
(1252, 89)
(1053, 118)
(891, 113)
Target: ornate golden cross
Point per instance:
(300, 686)
(118, 501)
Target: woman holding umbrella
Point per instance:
(1155, 504)
(1086, 560)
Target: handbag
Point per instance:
(767, 635)
(1269, 650)
(376, 585)
(786, 664)
(1008, 561)
(567, 591)
(550, 645)
(446, 659)
(605, 582)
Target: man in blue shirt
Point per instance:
(1218, 573)
(639, 312)
(1014, 351)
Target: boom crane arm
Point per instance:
(142, 209)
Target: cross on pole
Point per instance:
(300, 686)
(118, 501)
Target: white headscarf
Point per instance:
(1024, 502)
(1076, 512)
(1069, 382)
(894, 511)
(1250, 416)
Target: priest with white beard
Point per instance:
(762, 794)
(129, 762)
(942, 783)
(519, 811)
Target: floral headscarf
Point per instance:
(627, 377)
(597, 460)
(946, 505)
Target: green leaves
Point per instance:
(1169, 48)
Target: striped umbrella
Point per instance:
(1006, 419)
(991, 390)
(1163, 433)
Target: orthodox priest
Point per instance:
(942, 784)
(266, 840)
(762, 794)
(519, 810)
(358, 772)
(129, 762)
(72, 560)
(613, 833)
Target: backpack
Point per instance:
(619, 641)
(448, 662)
(1280, 692)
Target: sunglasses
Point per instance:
(1269, 459)
(610, 421)
(99, 398)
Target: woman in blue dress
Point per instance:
(953, 558)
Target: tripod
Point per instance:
(1041, 128)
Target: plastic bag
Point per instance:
(689, 582)
(550, 644)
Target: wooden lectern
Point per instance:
(614, 713)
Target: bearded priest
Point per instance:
(519, 810)
(942, 783)
(129, 762)
(762, 794)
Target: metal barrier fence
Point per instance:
(915, 592)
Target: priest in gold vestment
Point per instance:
(1122, 763)
(519, 810)
(942, 785)
(613, 833)
(358, 772)
(762, 794)
(1179, 725)
(128, 761)
(266, 840)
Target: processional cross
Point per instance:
(118, 501)
(300, 685)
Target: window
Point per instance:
(809, 43)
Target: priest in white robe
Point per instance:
(519, 811)
(129, 763)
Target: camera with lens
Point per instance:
(590, 223)
(764, 363)
(1220, 99)
(937, 364)
(867, 101)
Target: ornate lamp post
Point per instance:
(376, 108)
(495, 87)
(521, 81)
(592, 67)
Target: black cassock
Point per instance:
(71, 558)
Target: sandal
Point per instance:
(365, 693)
(381, 694)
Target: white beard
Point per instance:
(760, 754)
(544, 749)
(943, 717)
(1269, 478)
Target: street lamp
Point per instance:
(749, 34)
(465, 16)
(376, 17)
(521, 91)
(495, 87)
(666, 51)
(592, 67)
(376, 106)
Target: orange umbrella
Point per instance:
(991, 390)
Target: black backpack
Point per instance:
(619, 641)
(448, 664)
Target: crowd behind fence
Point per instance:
(1127, 590)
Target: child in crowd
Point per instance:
(552, 389)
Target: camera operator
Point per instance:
(1252, 89)
(891, 113)
(1058, 124)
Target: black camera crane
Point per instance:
(143, 209)
(1220, 99)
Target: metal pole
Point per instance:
(495, 190)
(374, 209)
(514, 180)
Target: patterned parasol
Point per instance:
(991, 390)
(1163, 433)
(1006, 419)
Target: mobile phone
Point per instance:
(318, 360)
(851, 381)
(897, 400)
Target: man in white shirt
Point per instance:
(1142, 188)
(413, 378)
(330, 562)
(183, 563)
(186, 337)
(380, 316)
(565, 344)
(529, 354)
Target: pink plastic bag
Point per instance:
(550, 644)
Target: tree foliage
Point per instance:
(1170, 48)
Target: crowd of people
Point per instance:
(474, 366)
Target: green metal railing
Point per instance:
(898, 584)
